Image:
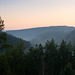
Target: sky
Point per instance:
(24, 14)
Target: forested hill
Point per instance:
(14, 41)
(71, 37)
(42, 34)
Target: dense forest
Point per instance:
(51, 59)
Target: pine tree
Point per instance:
(51, 57)
(1, 24)
(3, 39)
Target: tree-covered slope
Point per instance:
(71, 37)
(58, 33)
(12, 40)
(15, 41)
(42, 34)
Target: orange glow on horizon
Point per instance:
(41, 13)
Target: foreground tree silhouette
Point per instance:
(51, 57)
(3, 39)
(4, 65)
(34, 61)
(1, 24)
(2, 35)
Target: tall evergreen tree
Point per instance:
(1, 24)
(51, 57)
(65, 54)
(3, 39)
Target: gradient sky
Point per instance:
(22, 14)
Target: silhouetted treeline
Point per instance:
(52, 59)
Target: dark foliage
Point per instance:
(49, 60)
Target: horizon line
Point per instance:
(40, 27)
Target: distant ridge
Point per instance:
(39, 27)
(42, 34)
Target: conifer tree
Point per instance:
(1, 24)
(51, 57)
